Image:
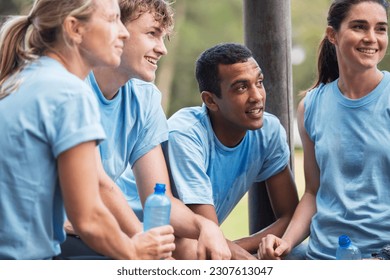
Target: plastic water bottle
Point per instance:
(157, 208)
(346, 250)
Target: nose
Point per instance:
(160, 47)
(256, 94)
(370, 36)
(123, 33)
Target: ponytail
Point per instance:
(327, 65)
(13, 54)
(328, 68)
(25, 38)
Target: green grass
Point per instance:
(237, 225)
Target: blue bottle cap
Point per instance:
(159, 188)
(344, 241)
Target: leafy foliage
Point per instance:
(201, 24)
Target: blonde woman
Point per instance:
(50, 128)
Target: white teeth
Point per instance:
(254, 111)
(151, 60)
(367, 51)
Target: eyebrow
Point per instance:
(260, 74)
(157, 28)
(361, 21)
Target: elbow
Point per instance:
(106, 185)
(87, 223)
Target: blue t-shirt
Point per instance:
(204, 171)
(352, 150)
(50, 112)
(135, 123)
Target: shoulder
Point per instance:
(187, 118)
(318, 92)
(386, 73)
(190, 123)
(140, 87)
(49, 78)
(142, 94)
(49, 68)
(271, 131)
(386, 78)
(270, 123)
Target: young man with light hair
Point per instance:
(135, 125)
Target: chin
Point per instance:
(146, 77)
(255, 127)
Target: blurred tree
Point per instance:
(7, 7)
(210, 22)
(13, 7)
(206, 24)
(308, 28)
(166, 73)
(201, 24)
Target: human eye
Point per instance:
(358, 26)
(241, 87)
(259, 83)
(112, 18)
(382, 28)
(153, 31)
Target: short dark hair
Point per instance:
(206, 70)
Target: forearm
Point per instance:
(211, 242)
(251, 243)
(93, 229)
(239, 253)
(299, 227)
(186, 223)
(115, 201)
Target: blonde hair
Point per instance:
(163, 12)
(25, 38)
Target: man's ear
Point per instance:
(73, 29)
(208, 99)
(331, 34)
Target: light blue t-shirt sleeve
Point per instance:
(149, 129)
(277, 150)
(71, 126)
(154, 128)
(186, 159)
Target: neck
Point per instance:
(351, 85)
(225, 133)
(110, 80)
(72, 61)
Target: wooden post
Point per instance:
(267, 26)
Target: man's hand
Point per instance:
(211, 243)
(154, 244)
(69, 228)
(238, 253)
(273, 248)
